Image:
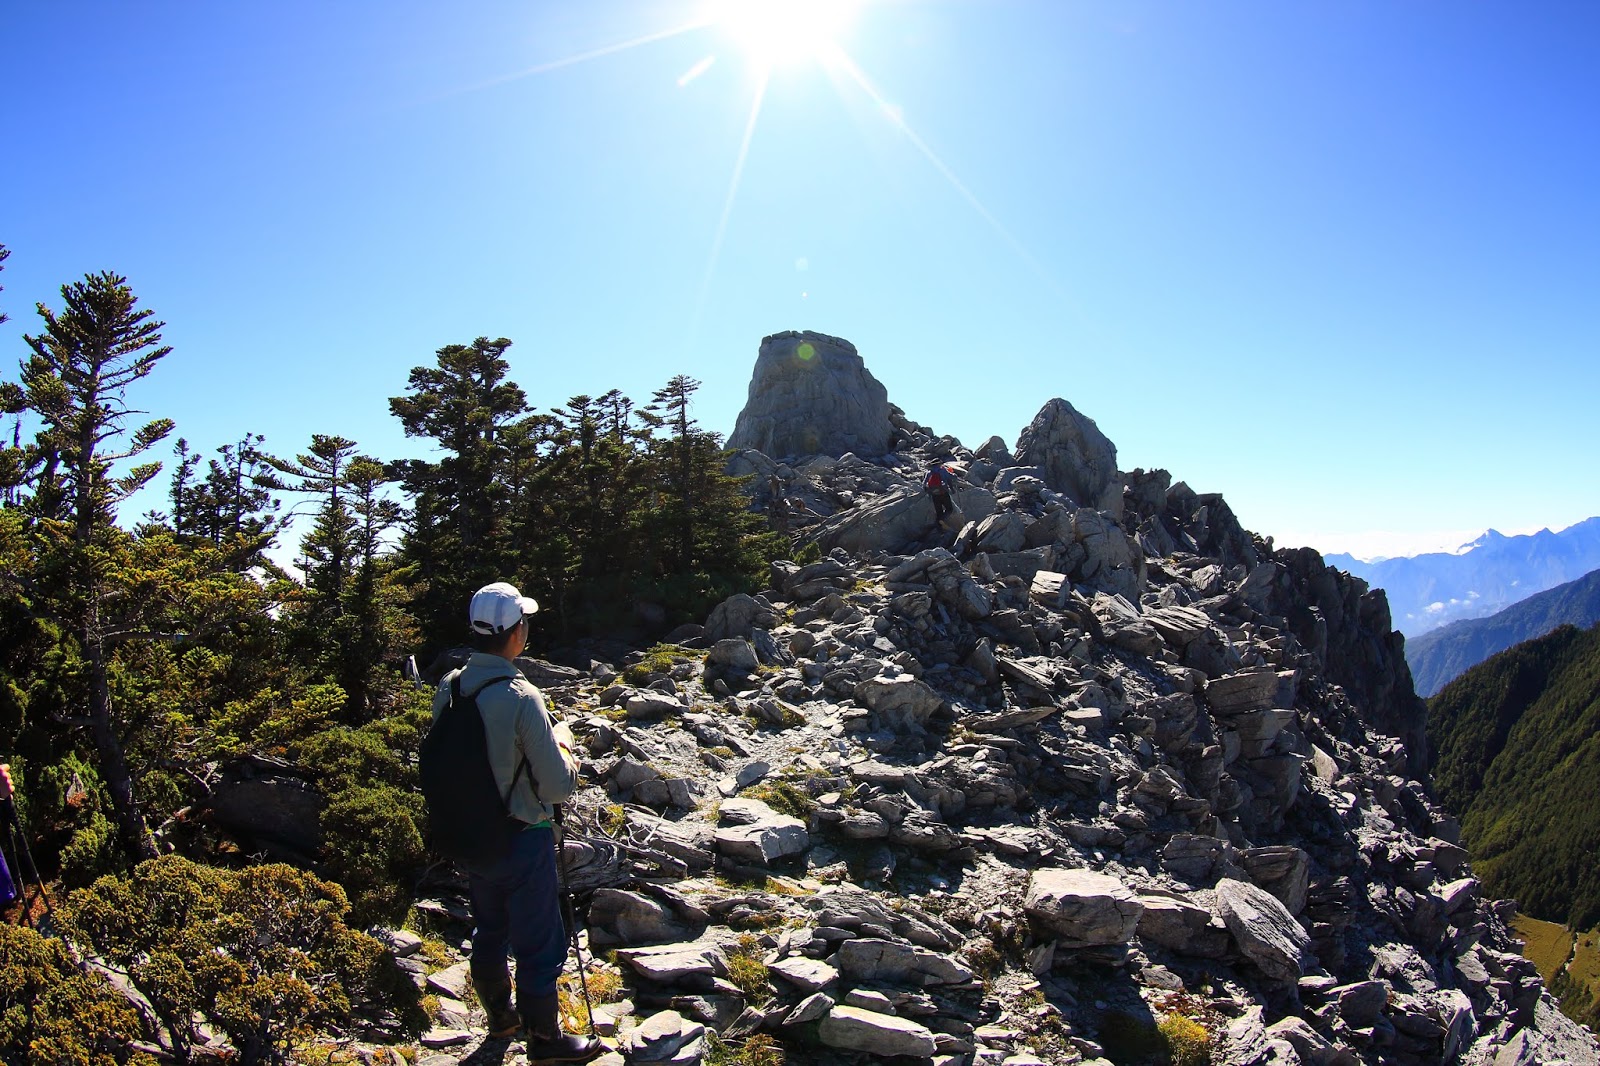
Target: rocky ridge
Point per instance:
(1090, 766)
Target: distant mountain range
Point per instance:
(1438, 657)
(1493, 572)
(1517, 758)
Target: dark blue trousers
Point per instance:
(516, 904)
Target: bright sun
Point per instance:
(777, 32)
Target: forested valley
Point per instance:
(139, 653)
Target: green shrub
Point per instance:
(758, 1049)
(69, 797)
(264, 953)
(53, 1012)
(785, 797)
(345, 758)
(1188, 1042)
(747, 971)
(658, 660)
(92, 851)
(372, 845)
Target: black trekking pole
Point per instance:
(24, 854)
(569, 912)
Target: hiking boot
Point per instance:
(546, 1044)
(494, 995)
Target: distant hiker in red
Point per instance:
(938, 482)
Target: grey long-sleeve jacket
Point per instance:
(516, 721)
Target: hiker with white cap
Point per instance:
(516, 900)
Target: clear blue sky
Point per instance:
(1339, 261)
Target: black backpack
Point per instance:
(467, 817)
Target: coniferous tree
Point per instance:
(711, 544)
(457, 539)
(348, 621)
(242, 484)
(233, 504)
(320, 474)
(76, 382)
(670, 409)
(378, 628)
(13, 401)
(181, 491)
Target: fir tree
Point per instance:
(712, 544)
(320, 474)
(456, 540)
(76, 383)
(233, 504)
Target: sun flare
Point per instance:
(779, 32)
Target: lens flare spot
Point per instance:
(805, 352)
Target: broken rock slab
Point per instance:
(617, 917)
(855, 1029)
(695, 964)
(899, 702)
(1083, 908)
(1266, 933)
(769, 837)
(665, 1037)
(1182, 927)
(870, 960)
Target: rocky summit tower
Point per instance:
(811, 394)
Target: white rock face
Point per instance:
(812, 395)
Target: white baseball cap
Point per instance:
(496, 608)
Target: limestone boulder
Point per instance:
(1182, 927)
(811, 394)
(854, 1029)
(1003, 531)
(665, 1037)
(1076, 458)
(884, 523)
(738, 616)
(1241, 692)
(731, 656)
(695, 964)
(899, 702)
(1283, 870)
(808, 975)
(869, 960)
(619, 918)
(1083, 908)
(1108, 559)
(772, 837)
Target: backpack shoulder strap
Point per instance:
(456, 685)
(522, 760)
